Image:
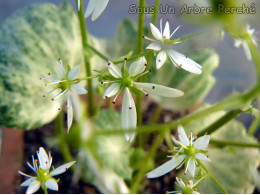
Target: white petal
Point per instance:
(114, 70)
(156, 33)
(51, 184)
(247, 51)
(111, 90)
(74, 72)
(69, 114)
(180, 182)
(100, 7)
(33, 187)
(191, 166)
(78, 3)
(183, 136)
(154, 46)
(160, 59)
(190, 184)
(166, 167)
(28, 182)
(90, 8)
(175, 141)
(202, 157)
(61, 169)
(78, 89)
(137, 67)
(166, 32)
(237, 42)
(43, 159)
(155, 89)
(61, 69)
(184, 62)
(202, 142)
(129, 118)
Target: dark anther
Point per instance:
(130, 108)
(153, 87)
(150, 70)
(108, 64)
(125, 59)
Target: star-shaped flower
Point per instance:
(67, 84)
(44, 177)
(95, 7)
(240, 41)
(163, 45)
(188, 152)
(124, 80)
(188, 188)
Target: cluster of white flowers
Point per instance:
(188, 188)
(124, 80)
(44, 176)
(67, 84)
(188, 152)
(163, 45)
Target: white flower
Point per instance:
(188, 152)
(187, 188)
(95, 7)
(67, 84)
(240, 41)
(124, 81)
(44, 177)
(163, 45)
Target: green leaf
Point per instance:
(31, 41)
(230, 165)
(195, 87)
(110, 150)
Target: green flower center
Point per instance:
(187, 190)
(42, 175)
(126, 82)
(189, 151)
(65, 84)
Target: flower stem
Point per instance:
(91, 99)
(45, 189)
(233, 102)
(142, 169)
(255, 57)
(140, 35)
(154, 21)
(61, 138)
(219, 123)
(199, 180)
(213, 178)
(102, 56)
(133, 58)
(87, 78)
(237, 144)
